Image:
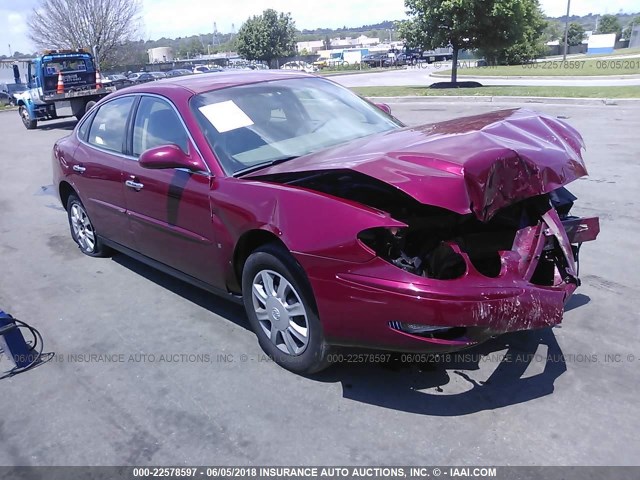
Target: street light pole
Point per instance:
(566, 32)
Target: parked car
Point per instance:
(379, 60)
(5, 98)
(179, 72)
(322, 62)
(142, 77)
(328, 219)
(11, 90)
(300, 66)
(402, 59)
(118, 81)
(200, 69)
(158, 75)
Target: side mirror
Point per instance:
(169, 156)
(384, 107)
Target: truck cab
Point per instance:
(60, 83)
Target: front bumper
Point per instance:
(362, 304)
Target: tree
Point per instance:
(610, 24)
(267, 36)
(192, 48)
(629, 28)
(576, 34)
(529, 46)
(553, 31)
(327, 43)
(105, 24)
(466, 24)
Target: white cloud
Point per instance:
(188, 17)
(558, 8)
(17, 24)
(173, 18)
(13, 31)
(165, 18)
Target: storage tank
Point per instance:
(160, 54)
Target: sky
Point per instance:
(173, 18)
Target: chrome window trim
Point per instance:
(105, 150)
(135, 159)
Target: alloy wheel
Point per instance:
(82, 228)
(280, 312)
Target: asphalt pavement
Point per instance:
(149, 370)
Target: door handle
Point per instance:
(135, 185)
(79, 168)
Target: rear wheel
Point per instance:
(87, 107)
(282, 311)
(28, 123)
(82, 230)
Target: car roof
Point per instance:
(214, 81)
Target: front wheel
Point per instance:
(28, 123)
(82, 230)
(282, 311)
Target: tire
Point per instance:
(82, 230)
(292, 337)
(28, 123)
(87, 107)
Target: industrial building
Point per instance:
(160, 55)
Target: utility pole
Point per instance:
(10, 52)
(566, 32)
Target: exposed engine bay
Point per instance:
(435, 239)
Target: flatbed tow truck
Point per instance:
(60, 83)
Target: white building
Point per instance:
(160, 54)
(316, 46)
(312, 46)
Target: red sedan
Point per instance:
(332, 222)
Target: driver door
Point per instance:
(169, 209)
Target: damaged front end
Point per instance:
(459, 279)
(487, 243)
(537, 238)
(513, 272)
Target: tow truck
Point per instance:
(60, 83)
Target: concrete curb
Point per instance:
(507, 99)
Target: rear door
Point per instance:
(169, 209)
(97, 168)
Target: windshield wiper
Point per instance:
(259, 166)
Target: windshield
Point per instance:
(53, 67)
(258, 124)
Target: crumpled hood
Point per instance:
(476, 164)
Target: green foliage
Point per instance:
(627, 31)
(267, 36)
(192, 48)
(553, 31)
(506, 30)
(576, 34)
(610, 24)
(529, 45)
